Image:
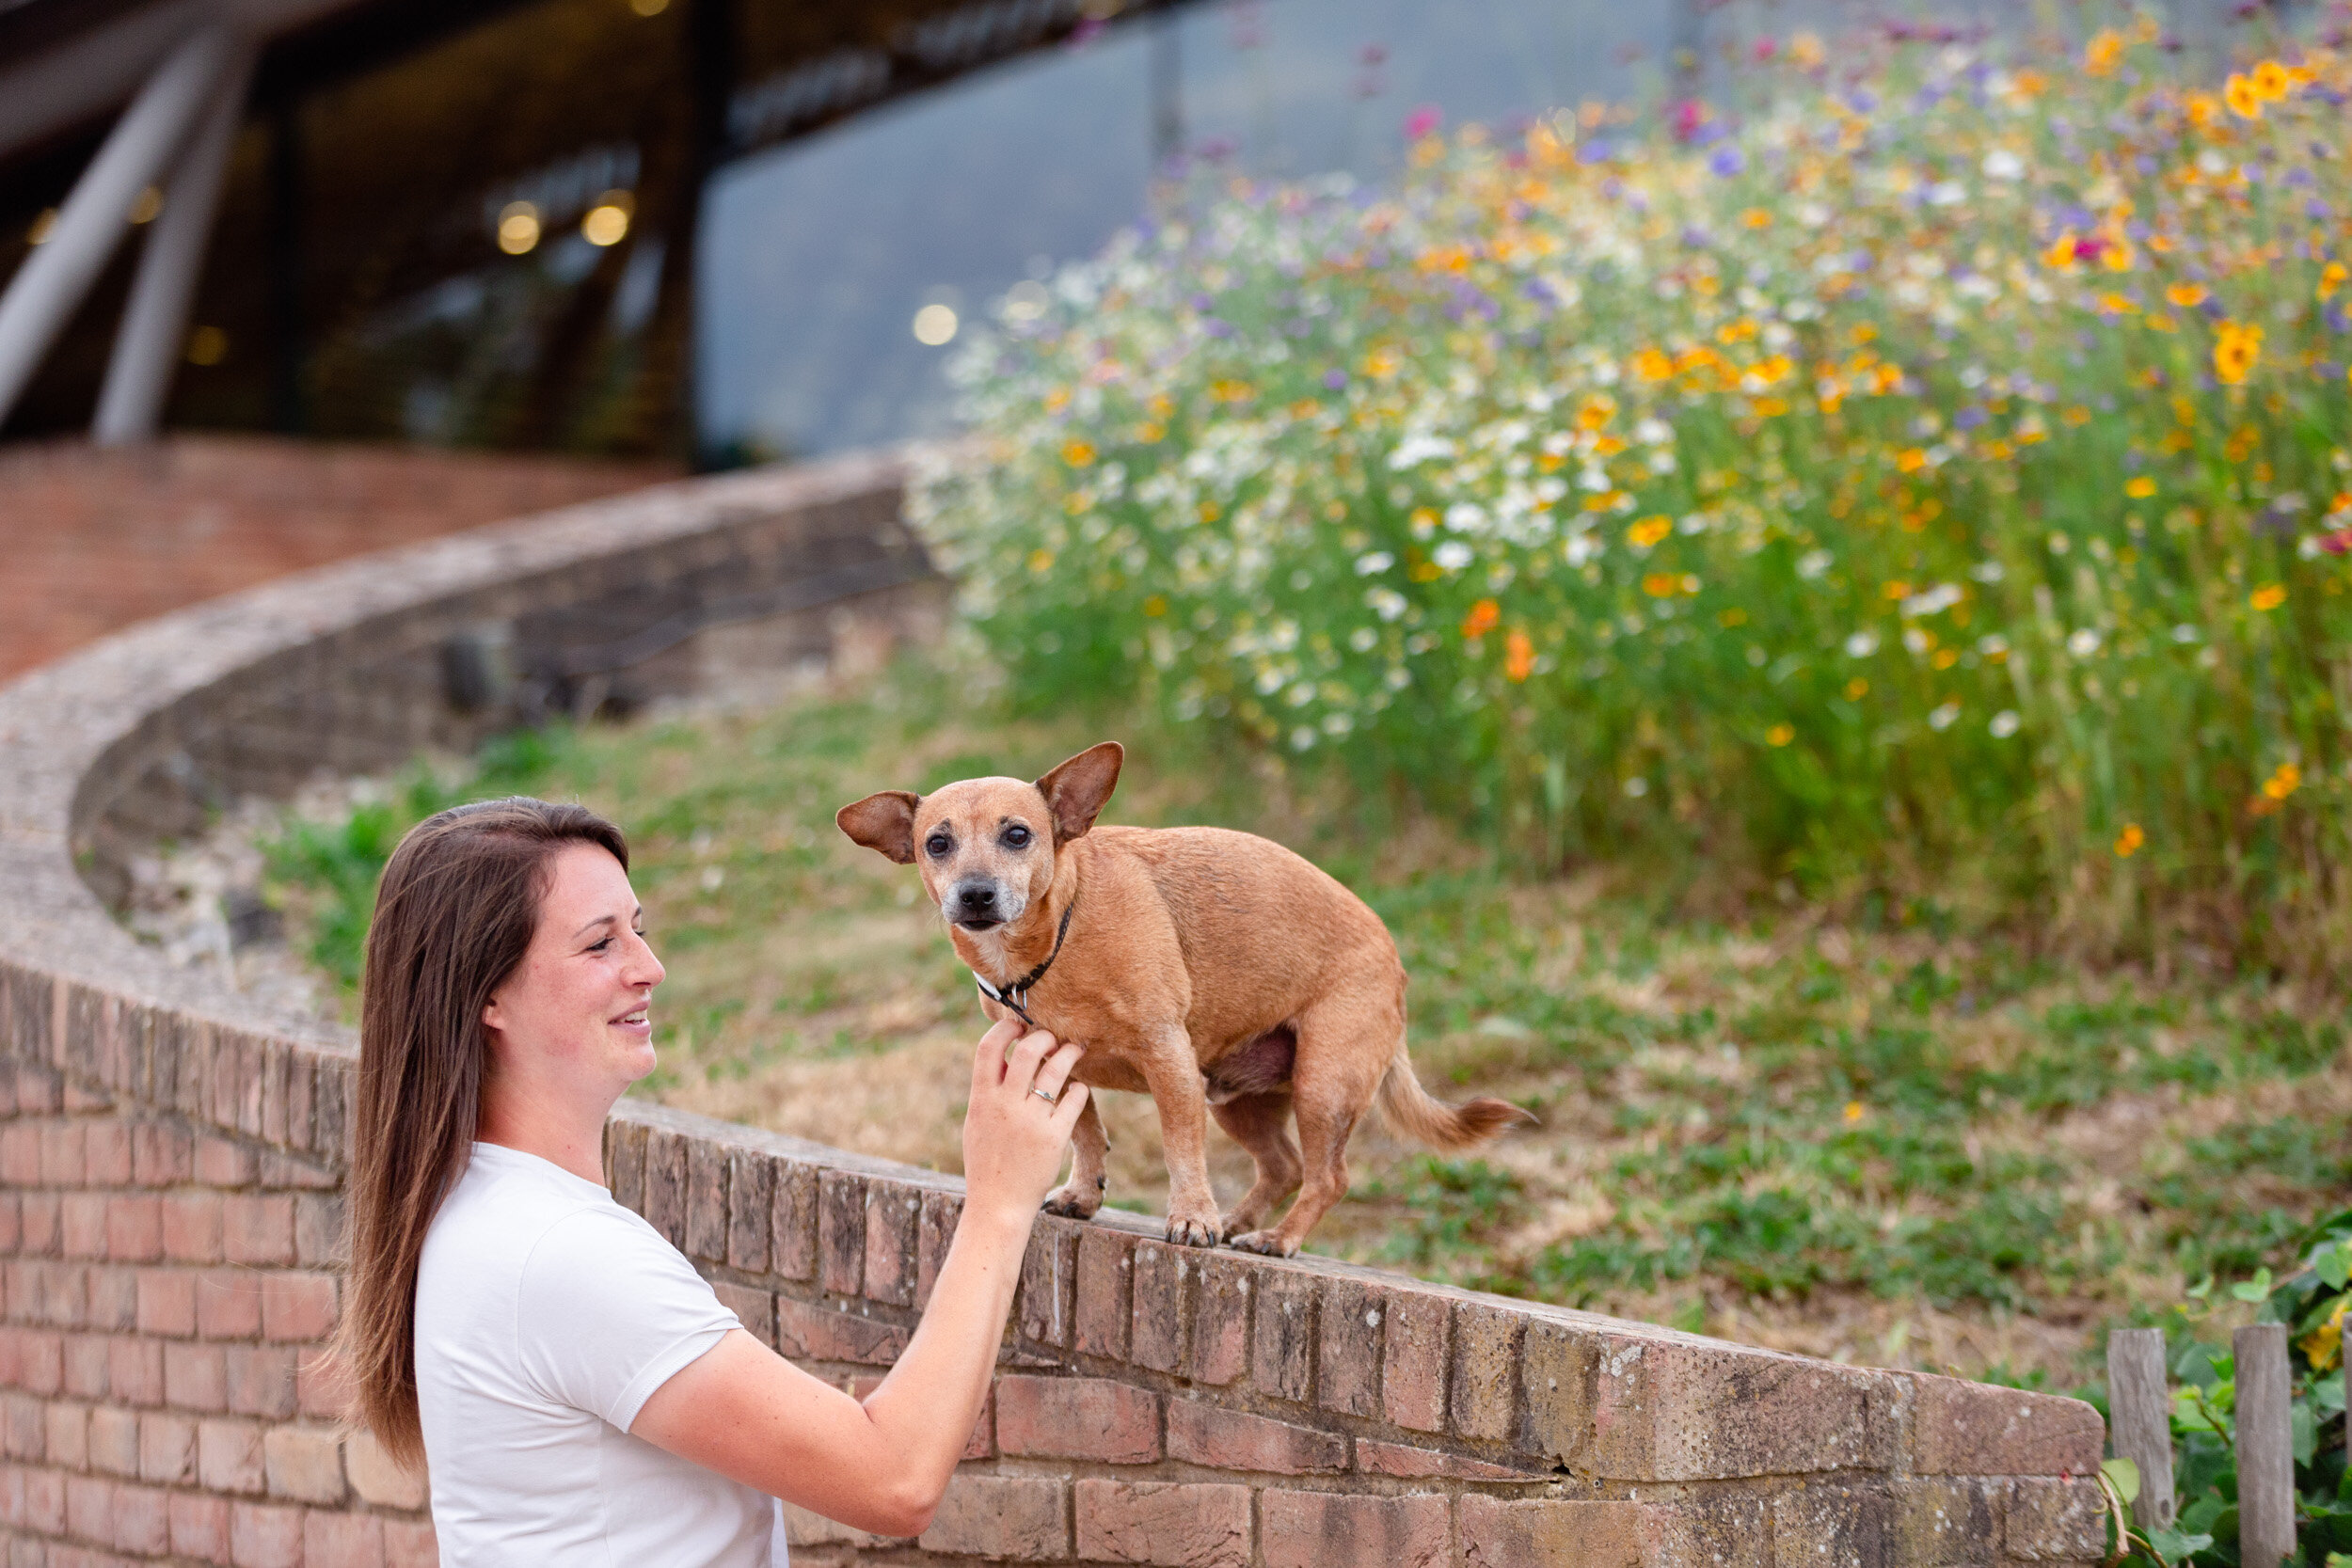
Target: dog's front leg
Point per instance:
(1174, 1074)
(1081, 1196)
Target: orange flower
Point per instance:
(2139, 489)
(2243, 100)
(2270, 595)
(2236, 350)
(1482, 619)
(2105, 49)
(1781, 734)
(2332, 277)
(1661, 585)
(2188, 296)
(1648, 531)
(1519, 656)
(2283, 783)
(2128, 843)
(2270, 81)
(1078, 454)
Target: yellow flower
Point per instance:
(1910, 460)
(2243, 100)
(1854, 1112)
(1805, 50)
(1897, 590)
(1519, 656)
(2270, 595)
(1734, 616)
(2061, 251)
(2271, 82)
(2323, 1346)
(1652, 365)
(1155, 605)
(2128, 843)
(2203, 110)
(1040, 561)
(2332, 277)
(2188, 296)
(2142, 488)
(1756, 217)
(1661, 585)
(1595, 411)
(1856, 690)
(1482, 619)
(1781, 734)
(2283, 783)
(1076, 453)
(2236, 350)
(1946, 657)
(1648, 531)
(2105, 49)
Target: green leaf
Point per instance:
(2303, 1431)
(2189, 1412)
(2254, 1290)
(2334, 1265)
(2176, 1546)
(2125, 1474)
(2199, 1290)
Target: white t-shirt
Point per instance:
(546, 1315)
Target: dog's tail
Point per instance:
(1410, 1111)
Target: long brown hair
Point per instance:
(454, 915)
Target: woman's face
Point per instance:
(578, 1002)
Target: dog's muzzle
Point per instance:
(982, 903)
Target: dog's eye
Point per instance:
(939, 844)
(1017, 836)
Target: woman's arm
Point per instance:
(881, 1466)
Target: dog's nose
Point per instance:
(977, 898)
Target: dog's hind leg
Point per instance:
(1260, 1124)
(1344, 1044)
(1081, 1196)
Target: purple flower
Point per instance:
(2315, 210)
(1594, 152)
(1217, 327)
(1697, 238)
(1204, 302)
(1728, 160)
(1862, 101)
(2328, 369)
(1335, 379)
(1969, 418)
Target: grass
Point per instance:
(1884, 1136)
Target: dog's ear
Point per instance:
(883, 823)
(1077, 789)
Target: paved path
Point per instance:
(92, 541)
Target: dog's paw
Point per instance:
(1194, 1233)
(1074, 1202)
(1267, 1241)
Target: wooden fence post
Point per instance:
(2140, 1417)
(2265, 1456)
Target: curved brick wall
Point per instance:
(169, 1212)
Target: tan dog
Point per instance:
(1215, 971)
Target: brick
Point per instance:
(1484, 1380)
(85, 1357)
(1410, 1463)
(167, 1448)
(342, 1541)
(1282, 1335)
(167, 1303)
(135, 1370)
(809, 1333)
(1837, 1524)
(1162, 1277)
(1348, 1351)
(38, 1221)
(63, 1437)
(751, 1194)
(219, 1162)
(1177, 1525)
(106, 1154)
(1677, 1410)
(1324, 1529)
(284, 1173)
(82, 1225)
(1023, 1518)
(377, 1477)
(1202, 1433)
(1938, 1522)
(941, 1213)
(705, 1222)
(229, 1304)
(665, 1186)
(1499, 1534)
(1100, 1313)
(319, 1239)
(1717, 1531)
(1077, 1417)
(114, 1441)
(142, 1520)
(192, 1228)
(256, 1227)
(322, 1388)
(1414, 1353)
(410, 1543)
(61, 1162)
(261, 1380)
(200, 1526)
(792, 1221)
(893, 1214)
(67, 1303)
(1558, 1366)
(161, 1155)
(2056, 1521)
(20, 1155)
(1974, 1429)
(841, 1233)
(303, 1463)
(11, 1222)
(1049, 1272)
(228, 1457)
(196, 1377)
(113, 1299)
(44, 1501)
(265, 1536)
(298, 1308)
(755, 1309)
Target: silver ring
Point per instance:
(1049, 1099)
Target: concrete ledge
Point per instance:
(1157, 1405)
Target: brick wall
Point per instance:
(169, 1160)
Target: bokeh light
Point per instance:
(519, 227)
(935, 324)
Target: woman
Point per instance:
(577, 1390)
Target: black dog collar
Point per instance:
(1016, 995)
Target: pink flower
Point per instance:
(1423, 121)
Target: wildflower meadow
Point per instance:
(1927, 474)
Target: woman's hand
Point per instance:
(1014, 1135)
